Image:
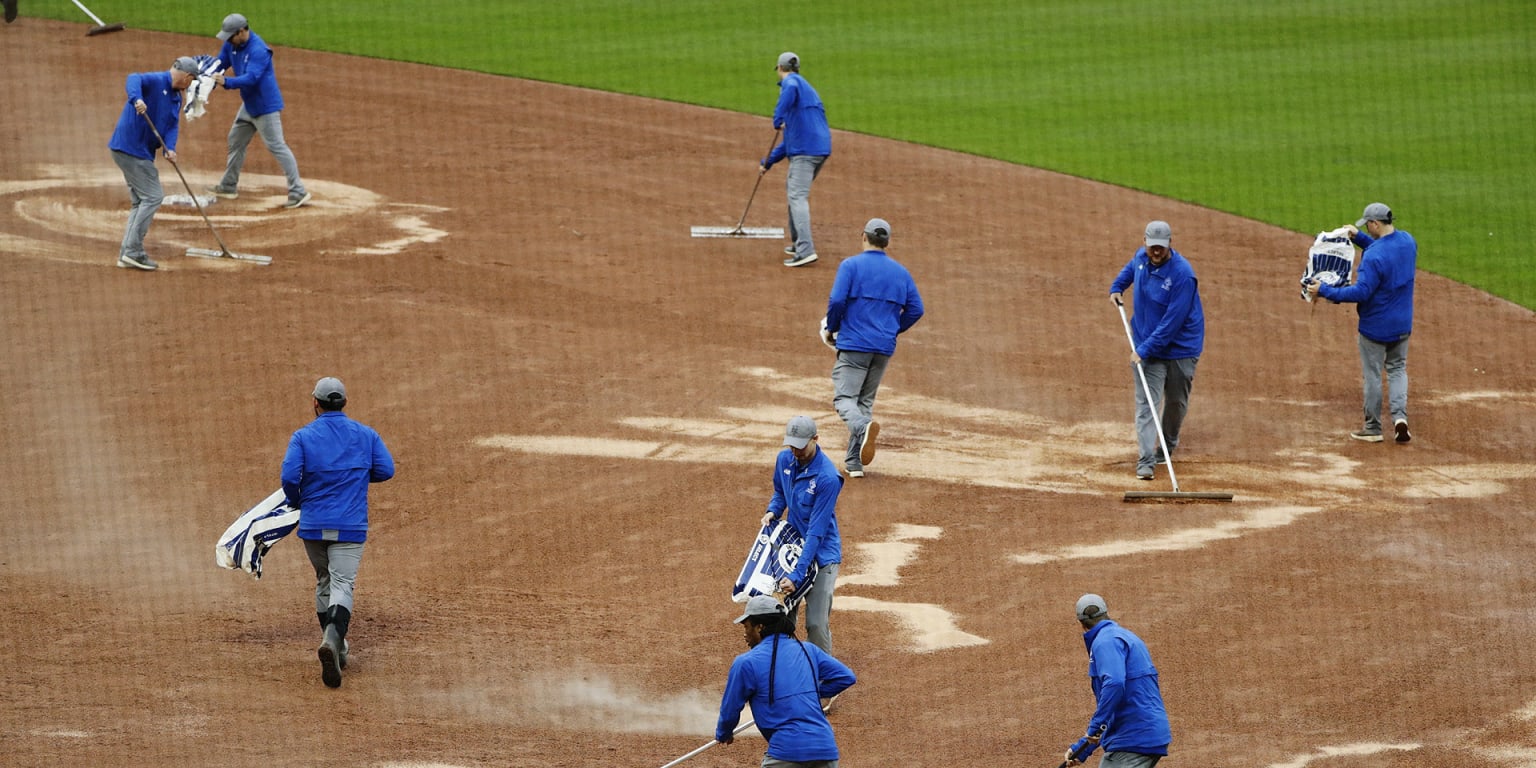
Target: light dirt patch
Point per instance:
(1189, 538)
(1347, 750)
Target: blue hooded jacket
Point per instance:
(810, 494)
(1168, 322)
(1383, 287)
(804, 120)
(1124, 683)
(802, 674)
(132, 135)
(873, 299)
(326, 473)
(254, 75)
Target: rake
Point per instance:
(205, 253)
(1157, 422)
(100, 28)
(738, 231)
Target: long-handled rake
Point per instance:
(100, 28)
(204, 253)
(1157, 422)
(754, 233)
(696, 752)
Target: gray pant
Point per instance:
(1374, 356)
(818, 608)
(803, 169)
(336, 564)
(1128, 760)
(145, 193)
(855, 381)
(1170, 382)
(769, 762)
(270, 126)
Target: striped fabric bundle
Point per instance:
(1330, 260)
(247, 540)
(773, 556)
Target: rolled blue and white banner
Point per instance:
(247, 540)
(774, 554)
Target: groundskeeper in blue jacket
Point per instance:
(1383, 287)
(326, 473)
(1168, 322)
(1130, 710)
(785, 680)
(804, 120)
(254, 75)
(873, 299)
(810, 494)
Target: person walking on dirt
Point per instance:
(805, 490)
(785, 680)
(156, 96)
(1130, 721)
(326, 473)
(1383, 297)
(807, 144)
(873, 300)
(261, 109)
(1168, 326)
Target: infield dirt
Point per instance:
(584, 404)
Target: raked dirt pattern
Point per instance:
(584, 404)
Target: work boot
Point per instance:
(330, 657)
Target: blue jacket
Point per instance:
(796, 729)
(873, 300)
(1124, 683)
(1167, 321)
(132, 135)
(254, 75)
(810, 494)
(326, 472)
(1383, 288)
(804, 120)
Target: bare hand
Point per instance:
(139, 106)
(1116, 299)
(1135, 358)
(170, 154)
(767, 518)
(785, 585)
(1312, 289)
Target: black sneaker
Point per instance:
(1366, 437)
(799, 261)
(1401, 428)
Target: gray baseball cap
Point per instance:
(879, 227)
(761, 605)
(233, 23)
(1091, 607)
(789, 61)
(185, 64)
(799, 432)
(1159, 233)
(330, 390)
(1375, 212)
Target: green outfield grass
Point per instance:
(1295, 113)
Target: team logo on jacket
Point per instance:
(812, 490)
